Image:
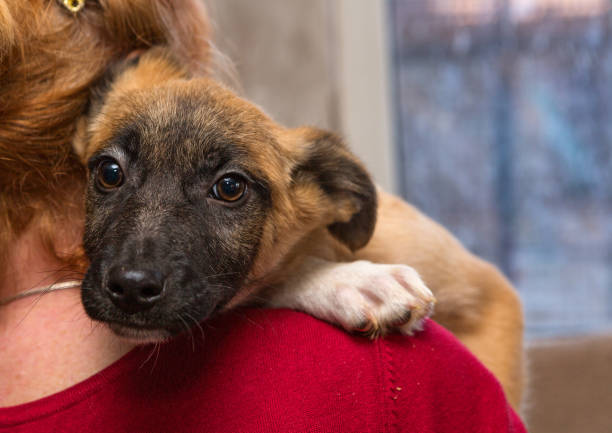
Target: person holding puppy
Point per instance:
(250, 370)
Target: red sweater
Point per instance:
(280, 371)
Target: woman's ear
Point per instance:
(342, 178)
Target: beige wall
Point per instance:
(315, 62)
(283, 53)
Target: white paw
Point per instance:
(374, 299)
(361, 296)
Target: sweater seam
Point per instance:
(389, 384)
(393, 388)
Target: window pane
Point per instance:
(505, 137)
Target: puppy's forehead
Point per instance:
(190, 124)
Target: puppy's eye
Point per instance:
(229, 188)
(109, 174)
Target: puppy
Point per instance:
(198, 202)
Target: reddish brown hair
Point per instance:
(49, 60)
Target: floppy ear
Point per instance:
(343, 179)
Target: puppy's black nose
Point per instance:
(134, 290)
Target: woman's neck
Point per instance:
(48, 342)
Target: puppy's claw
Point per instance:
(364, 327)
(369, 328)
(404, 319)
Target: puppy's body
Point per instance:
(309, 204)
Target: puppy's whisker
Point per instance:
(93, 327)
(188, 328)
(225, 274)
(33, 304)
(157, 349)
(220, 286)
(148, 357)
(62, 273)
(248, 319)
(45, 290)
(68, 269)
(197, 324)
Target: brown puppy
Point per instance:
(197, 201)
(223, 204)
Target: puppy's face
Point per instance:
(195, 196)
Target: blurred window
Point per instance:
(505, 137)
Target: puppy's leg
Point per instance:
(359, 296)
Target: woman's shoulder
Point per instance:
(428, 381)
(279, 370)
(302, 338)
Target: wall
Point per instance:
(284, 56)
(317, 62)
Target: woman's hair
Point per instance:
(50, 59)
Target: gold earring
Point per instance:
(73, 5)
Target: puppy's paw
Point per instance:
(374, 299)
(362, 297)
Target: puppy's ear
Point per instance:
(139, 70)
(97, 96)
(351, 194)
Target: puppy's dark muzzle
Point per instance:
(134, 290)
